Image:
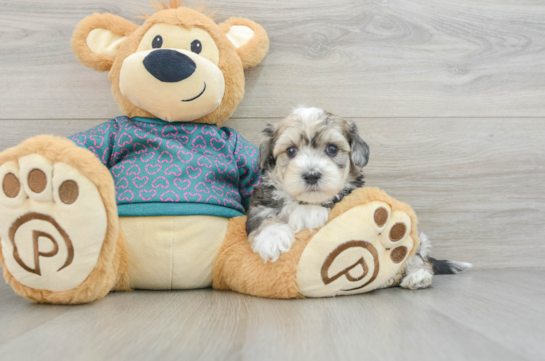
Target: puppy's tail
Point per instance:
(440, 267)
(444, 267)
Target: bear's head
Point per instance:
(178, 66)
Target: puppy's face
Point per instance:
(313, 154)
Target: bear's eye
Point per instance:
(157, 42)
(196, 46)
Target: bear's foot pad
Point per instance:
(52, 223)
(356, 252)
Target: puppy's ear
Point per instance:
(98, 37)
(249, 38)
(358, 148)
(266, 159)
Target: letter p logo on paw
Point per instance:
(36, 236)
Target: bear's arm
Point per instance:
(100, 140)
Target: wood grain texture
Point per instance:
(485, 315)
(357, 58)
(477, 185)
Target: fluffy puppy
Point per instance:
(309, 161)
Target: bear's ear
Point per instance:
(98, 37)
(249, 38)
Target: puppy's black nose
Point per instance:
(312, 177)
(169, 66)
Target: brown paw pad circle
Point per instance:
(381, 216)
(398, 254)
(11, 185)
(68, 192)
(37, 180)
(398, 232)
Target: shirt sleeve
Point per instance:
(246, 155)
(100, 140)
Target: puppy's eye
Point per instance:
(157, 42)
(196, 46)
(291, 151)
(332, 150)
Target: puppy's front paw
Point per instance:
(308, 216)
(420, 279)
(272, 241)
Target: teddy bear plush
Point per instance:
(155, 199)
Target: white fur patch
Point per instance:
(458, 267)
(272, 241)
(308, 216)
(464, 265)
(425, 245)
(308, 115)
(417, 280)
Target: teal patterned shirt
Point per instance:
(162, 168)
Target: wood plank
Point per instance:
(18, 316)
(477, 185)
(423, 58)
(503, 305)
(388, 324)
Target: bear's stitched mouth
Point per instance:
(201, 93)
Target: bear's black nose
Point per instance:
(169, 66)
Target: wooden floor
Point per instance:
(482, 315)
(450, 96)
